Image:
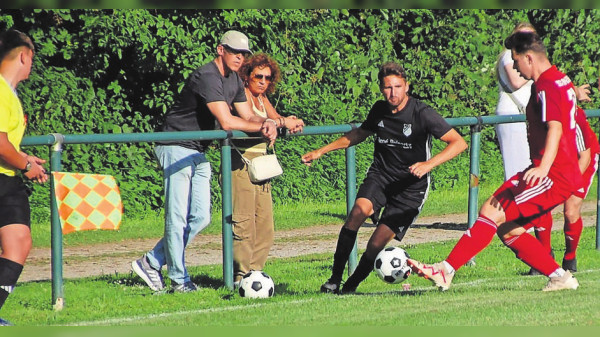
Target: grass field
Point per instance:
(494, 292)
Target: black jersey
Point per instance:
(403, 138)
(190, 113)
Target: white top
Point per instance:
(506, 106)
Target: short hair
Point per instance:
(522, 42)
(390, 68)
(261, 60)
(12, 39)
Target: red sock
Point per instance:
(472, 242)
(543, 228)
(572, 235)
(529, 250)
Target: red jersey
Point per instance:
(586, 137)
(553, 99)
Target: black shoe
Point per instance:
(534, 272)
(330, 287)
(570, 265)
(346, 290)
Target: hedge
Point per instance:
(119, 71)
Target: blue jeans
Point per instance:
(187, 207)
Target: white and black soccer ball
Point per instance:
(256, 284)
(391, 266)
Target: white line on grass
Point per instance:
(122, 320)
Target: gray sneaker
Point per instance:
(187, 287)
(151, 276)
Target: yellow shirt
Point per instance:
(12, 121)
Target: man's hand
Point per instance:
(37, 173)
(535, 175)
(420, 169)
(582, 93)
(308, 158)
(269, 131)
(293, 124)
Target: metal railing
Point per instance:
(56, 142)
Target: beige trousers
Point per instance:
(253, 229)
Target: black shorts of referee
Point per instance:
(400, 197)
(14, 201)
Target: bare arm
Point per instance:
(19, 160)
(514, 78)
(455, 145)
(585, 157)
(350, 138)
(228, 121)
(535, 175)
(292, 123)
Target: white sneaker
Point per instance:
(567, 281)
(151, 276)
(436, 273)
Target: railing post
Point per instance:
(474, 176)
(56, 230)
(227, 234)
(350, 198)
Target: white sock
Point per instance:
(448, 267)
(559, 272)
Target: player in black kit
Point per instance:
(398, 179)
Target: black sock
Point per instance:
(9, 274)
(345, 243)
(364, 268)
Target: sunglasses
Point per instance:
(261, 76)
(235, 51)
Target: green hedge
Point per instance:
(118, 71)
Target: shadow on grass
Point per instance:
(443, 225)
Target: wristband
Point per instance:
(270, 120)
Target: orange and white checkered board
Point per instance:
(87, 201)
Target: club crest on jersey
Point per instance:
(380, 124)
(407, 131)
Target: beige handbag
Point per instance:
(262, 168)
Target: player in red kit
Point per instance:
(588, 147)
(551, 179)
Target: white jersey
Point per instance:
(512, 137)
(506, 106)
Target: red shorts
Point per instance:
(522, 203)
(588, 177)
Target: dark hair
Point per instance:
(522, 42)
(261, 60)
(390, 68)
(12, 39)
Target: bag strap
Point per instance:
(241, 155)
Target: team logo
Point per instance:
(407, 130)
(380, 124)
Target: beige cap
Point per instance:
(235, 40)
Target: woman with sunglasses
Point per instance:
(253, 228)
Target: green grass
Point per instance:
(494, 292)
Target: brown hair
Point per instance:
(261, 60)
(390, 68)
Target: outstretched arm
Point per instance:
(350, 138)
(455, 145)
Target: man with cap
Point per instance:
(208, 97)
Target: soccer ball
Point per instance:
(257, 284)
(391, 266)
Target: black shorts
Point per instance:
(14, 201)
(401, 199)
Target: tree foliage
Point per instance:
(119, 71)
